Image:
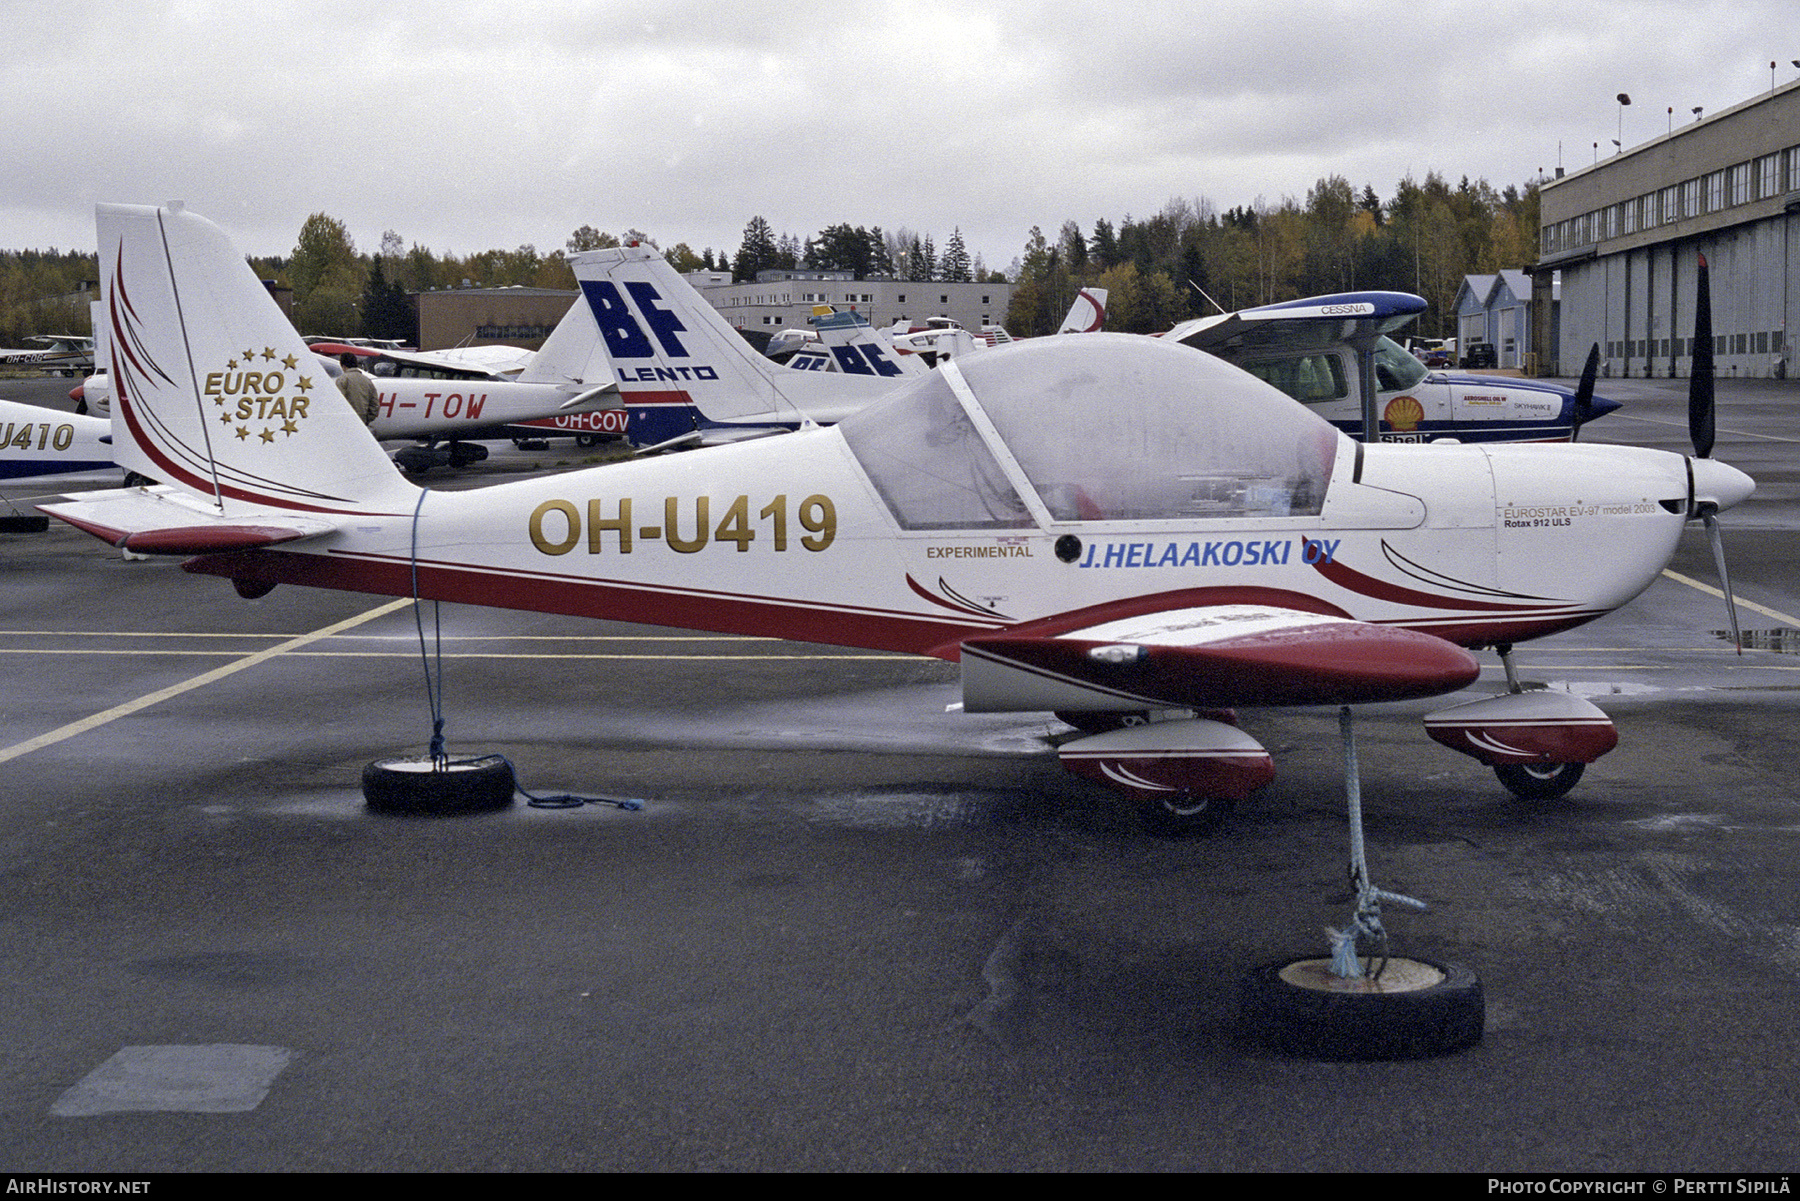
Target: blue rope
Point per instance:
(434, 689)
(433, 663)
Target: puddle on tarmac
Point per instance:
(1783, 641)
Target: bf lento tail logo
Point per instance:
(625, 337)
(259, 397)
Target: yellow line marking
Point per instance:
(1777, 614)
(178, 654)
(411, 637)
(199, 681)
(1683, 425)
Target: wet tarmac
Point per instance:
(850, 930)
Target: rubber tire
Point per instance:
(1097, 721)
(1539, 781)
(1184, 817)
(1316, 1023)
(411, 785)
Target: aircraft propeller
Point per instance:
(1700, 430)
(1584, 394)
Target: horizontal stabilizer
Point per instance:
(153, 523)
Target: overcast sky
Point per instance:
(469, 126)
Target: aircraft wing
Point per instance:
(162, 522)
(1205, 657)
(1341, 316)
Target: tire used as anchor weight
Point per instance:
(417, 785)
(1417, 1008)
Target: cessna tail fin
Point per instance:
(672, 353)
(1088, 314)
(858, 348)
(213, 390)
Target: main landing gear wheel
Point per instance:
(1100, 721)
(418, 785)
(1539, 781)
(1183, 815)
(1416, 1008)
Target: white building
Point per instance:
(1626, 234)
(785, 299)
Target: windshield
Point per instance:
(1395, 369)
(1102, 427)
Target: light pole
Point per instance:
(1623, 101)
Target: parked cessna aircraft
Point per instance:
(456, 362)
(1314, 350)
(846, 342)
(442, 414)
(39, 441)
(64, 354)
(685, 377)
(1209, 544)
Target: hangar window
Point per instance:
(1740, 184)
(1715, 191)
(1768, 171)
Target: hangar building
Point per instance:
(1625, 235)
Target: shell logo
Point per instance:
(1404, 413)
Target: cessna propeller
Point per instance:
(1584, 393)
(1700, 431)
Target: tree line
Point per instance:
(1175, 264)
(1189, 257)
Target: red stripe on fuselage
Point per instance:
(653, 397)
(723, 613)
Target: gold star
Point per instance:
(225, 418)
(218, 400)
(288, 427)
(268, 435)
(231, 364)
(248, 355)
(290, 362)
(242, 433)
(305, 384)
(268, 352)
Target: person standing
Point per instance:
(359, 389)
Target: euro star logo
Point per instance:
(260, 396)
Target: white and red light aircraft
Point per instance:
(1210, 544)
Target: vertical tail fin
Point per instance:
(671, 349)
(1088, 314)
(213, 390)
(859, 349)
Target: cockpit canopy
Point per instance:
(1090, 427)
